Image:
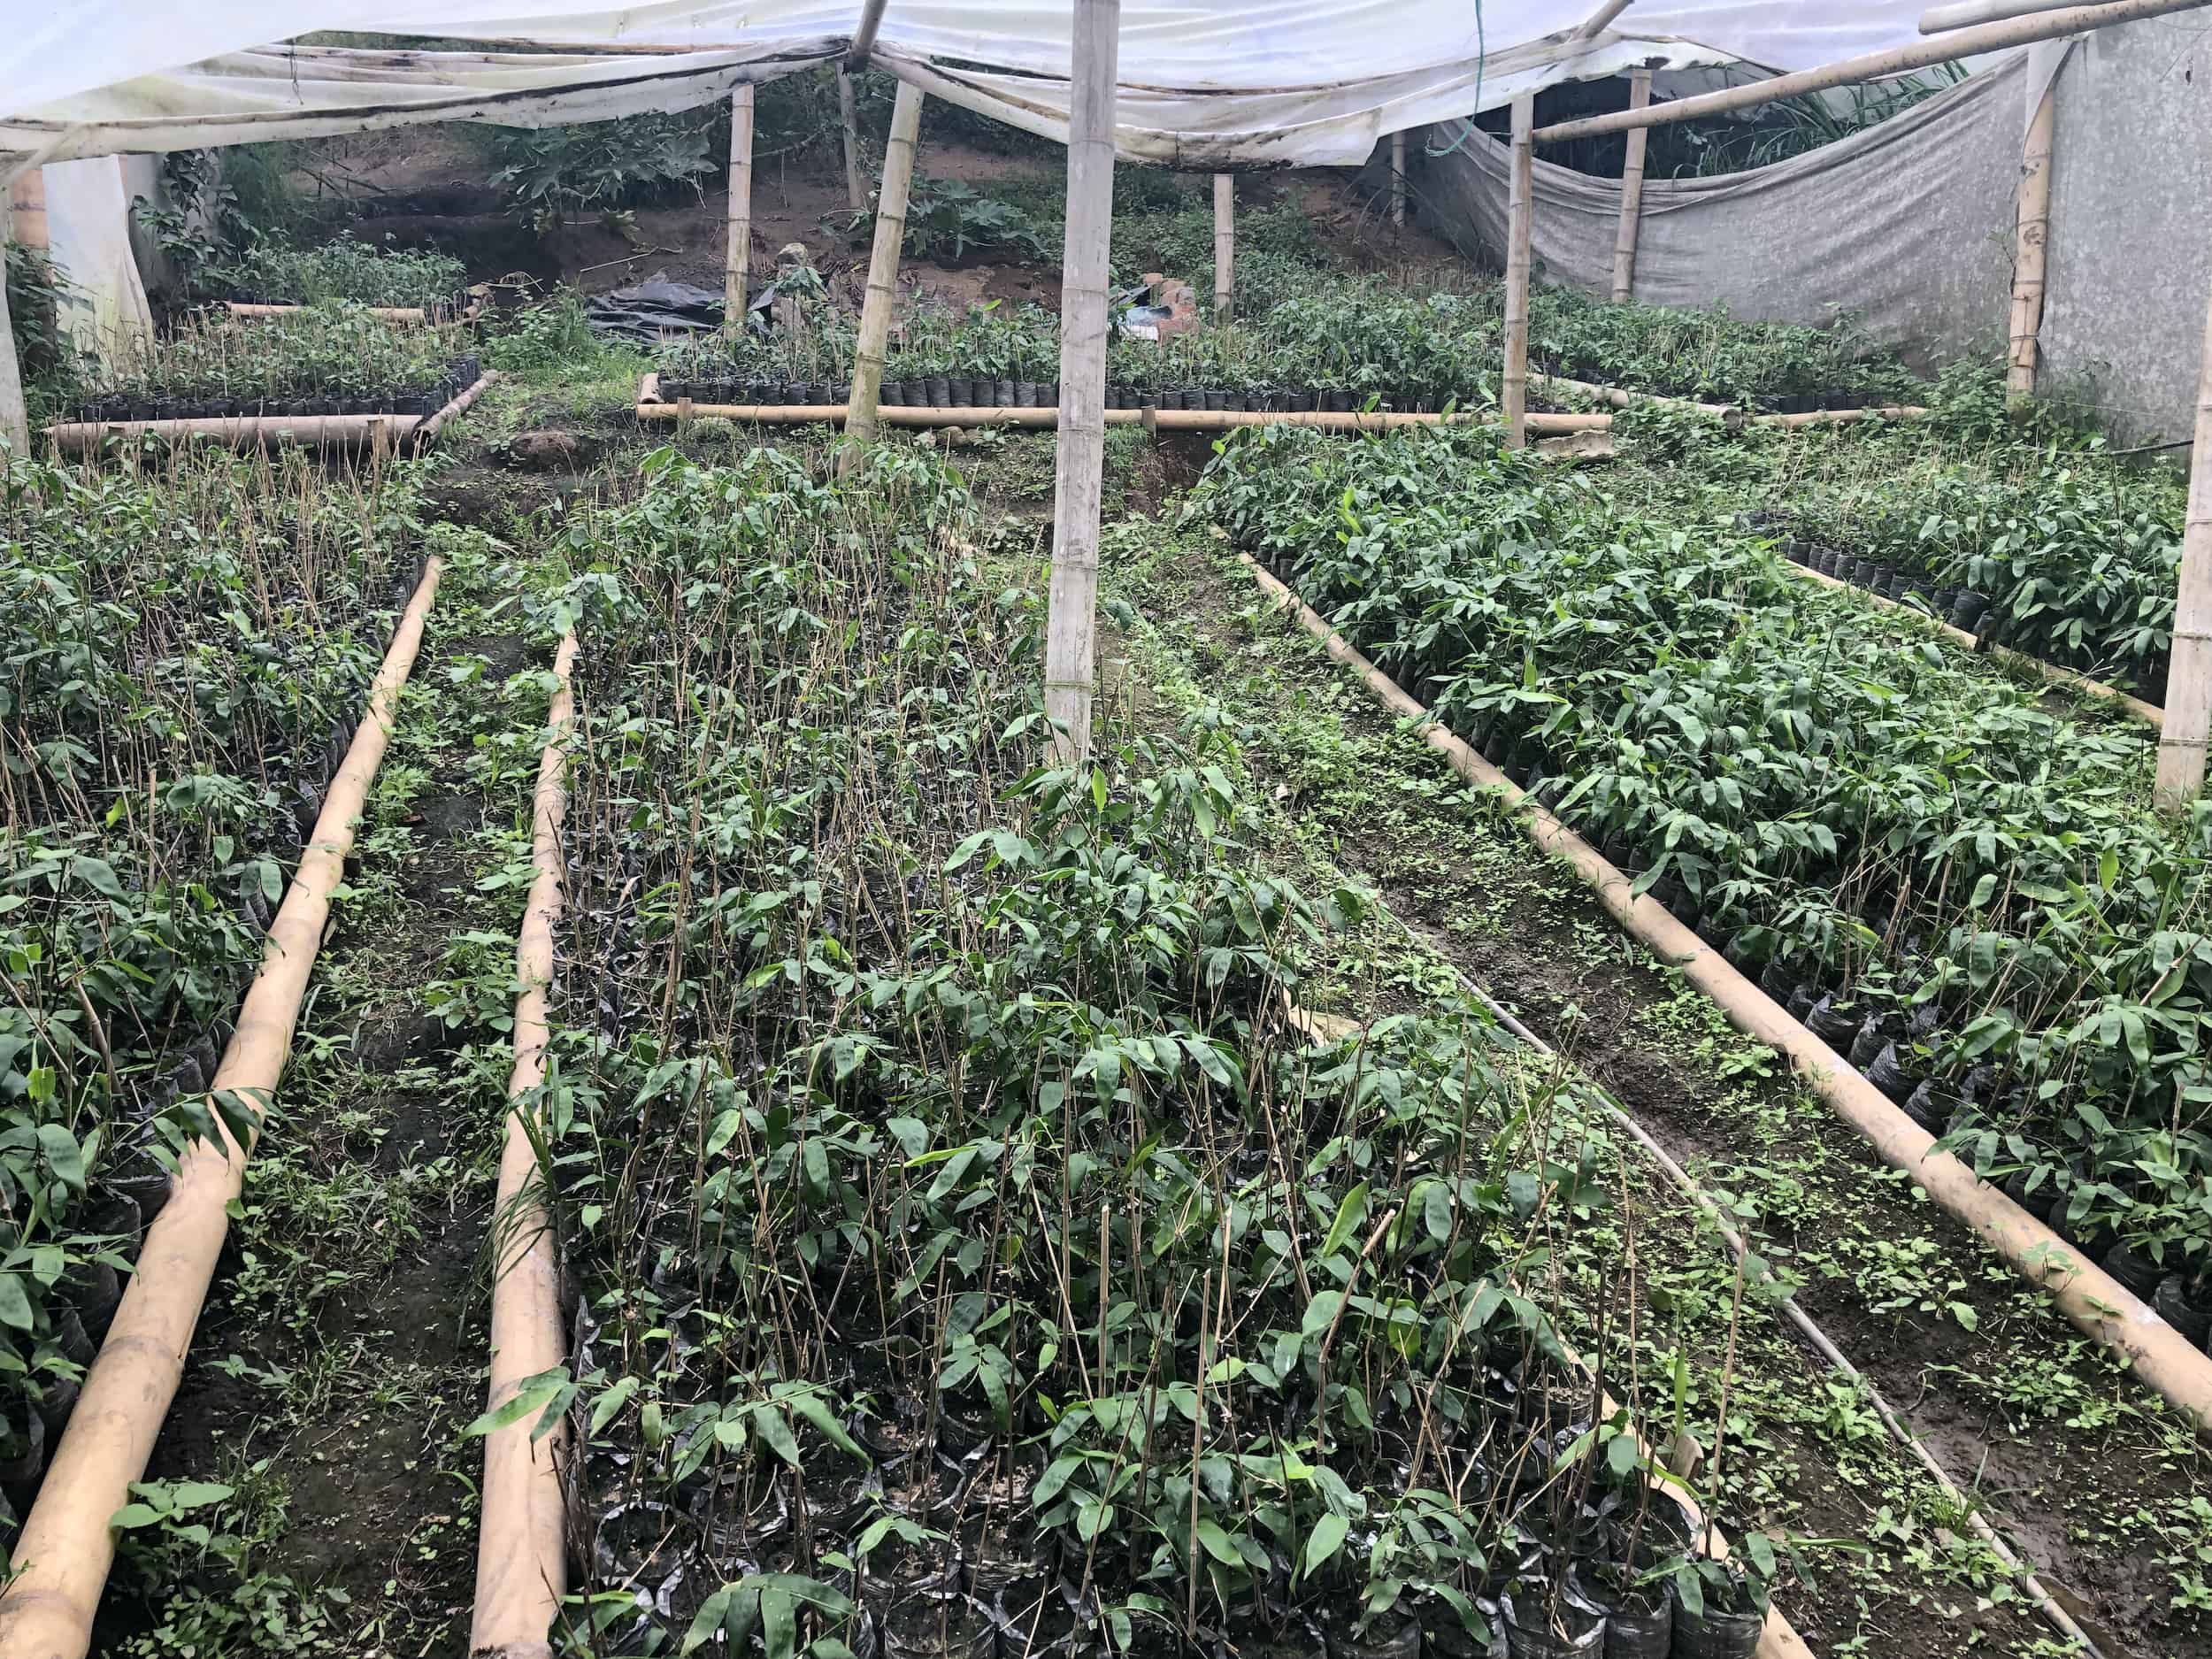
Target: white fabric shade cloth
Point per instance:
(1203, 83)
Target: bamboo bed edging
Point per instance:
(248, 432)
(1151, 420)
(2150, 713)
(62, 1558)
(415, 314)
(2096, 1303)
(521, 1549)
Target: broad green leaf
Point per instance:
(1325, 1540)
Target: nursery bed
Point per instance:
(383, 432)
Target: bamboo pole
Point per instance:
(1992, 37)
(864, 37)
(1398, 180)
(2029, 256)
(61, 1559)
(1224, 243)
(1632, 192)
(883, 265)
(737, 259)
(848, 122)
(27, 205)
(1071, 623)
(15, 420)
(1597, 22)
(1939, 19)
(521, 1557)
(1155, 419)
(246, 432)
(1520, 218)
(2189, 686)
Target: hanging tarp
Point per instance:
(1908, 223)
(1233, 83)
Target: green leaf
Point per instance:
(773, 1426)
(1217, 1543)
(778, 1624)
(63, 1156)
(1325, 1540)
(132, 1514)
(1348, 1216)
(15, 1302)
(533, 1395)
(1321, 1311)
(99, 875)
(708, 1618)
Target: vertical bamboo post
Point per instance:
(1632, 192)
(883, 269)
(1071, 624)
(848, 119)
(1224, 242)
(2181, 741)
(15, 421)
(1520, 215)
(26, 203)
(2034, 236)
(1398, 180)
(737, 261)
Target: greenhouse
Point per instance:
(929, 830)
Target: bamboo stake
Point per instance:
(1071, 624)
(15, 420)
(1224, 242)
(521, 1558)
(848, 119)
(1520, 216)
(883, 266)
(1632, 192)
(737, 262)
(1398, 180)
(2189, 686)
(2034, 229)
(2048, 26)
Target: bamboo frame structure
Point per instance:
(521, 1554)
(2096, 1303)
(1398, 180)
(66, 1547)
(1080, 461)
(848, 125)
(2025, 31)
(737, 255)
(1599, 20)
(883, 262)
(1520, 220)
(2181, 742)
(1225, 244)
(2029, 252)
(1632, 192)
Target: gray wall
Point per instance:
(1909, 225)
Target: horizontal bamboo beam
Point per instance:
(1989, 37)
(248, 432)
(415, 314)
(1158, 420)
(1941, 19)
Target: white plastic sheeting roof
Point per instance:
(1204, 83)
